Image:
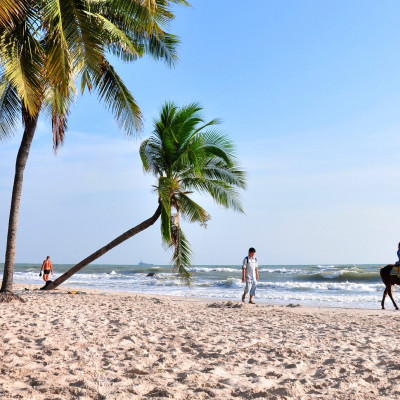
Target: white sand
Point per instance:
(120, 346)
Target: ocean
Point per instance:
(346, 286)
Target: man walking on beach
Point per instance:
(250, 275)
(47, 267)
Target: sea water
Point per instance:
(354, 286)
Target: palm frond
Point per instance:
(215, 169)
(182, 256)
(62, 35)
(88, 52)
(224, 194)
(119, 42)
(162, 125)
(22, 63)
(57, 104)
(189, 156)
(217, 145)
(144, 14)
(152, 156)
(162, 47)
(221, 192)
(166, 224)
(116, 96)
(164, 188)
(234, 176)
(214, 121)
(191, 211)
(181, 2)
(186, 120)
(145, 22)
(10, 10)
(10, 109)
(144, 156)
(86, 81)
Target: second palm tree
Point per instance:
(186, 155)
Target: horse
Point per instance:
(389, 280)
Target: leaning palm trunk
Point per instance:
(125, 236)
(22, 157)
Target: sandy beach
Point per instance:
(94, 345)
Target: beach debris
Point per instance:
(291, 305)
(136, 371)
(159, 392)
(76, 292)
(226, 304)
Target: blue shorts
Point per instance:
(251, 285)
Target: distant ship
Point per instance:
(143, 264)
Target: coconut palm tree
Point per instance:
(186, 155)
(47, 46)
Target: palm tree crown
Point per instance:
(186, 154)
(49, 45)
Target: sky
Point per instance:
(308, 90)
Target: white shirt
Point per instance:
(250, 265)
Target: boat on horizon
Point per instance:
(143, 264)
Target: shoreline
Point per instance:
(96, 345)
(20, 288)
(345, 286)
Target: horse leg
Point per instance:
(385, 292)
(391, 297)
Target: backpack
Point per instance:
(247, 260)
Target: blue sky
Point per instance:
(309, 91)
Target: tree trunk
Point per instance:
(22, 157)
(125, 236)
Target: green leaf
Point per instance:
(182, 256)
(22, 62)
(10, 110)
(11, 11)
(191, 210)
(116, 96)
